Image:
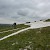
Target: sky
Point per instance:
(20, 11)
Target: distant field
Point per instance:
(32, 39)
(4, 27)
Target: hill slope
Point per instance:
(31, 39)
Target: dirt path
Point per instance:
(14, 33)
(33, 26)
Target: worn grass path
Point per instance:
(9, 30)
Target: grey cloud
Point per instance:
(24, 10)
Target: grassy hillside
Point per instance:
(32, 39)
(18, 27)
(5, 27)
(48, 20)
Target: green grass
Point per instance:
(32, 39)
(20, 26)
(5, 28)
(47, 20)
(7, 33)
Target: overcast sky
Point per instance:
(23, 10)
